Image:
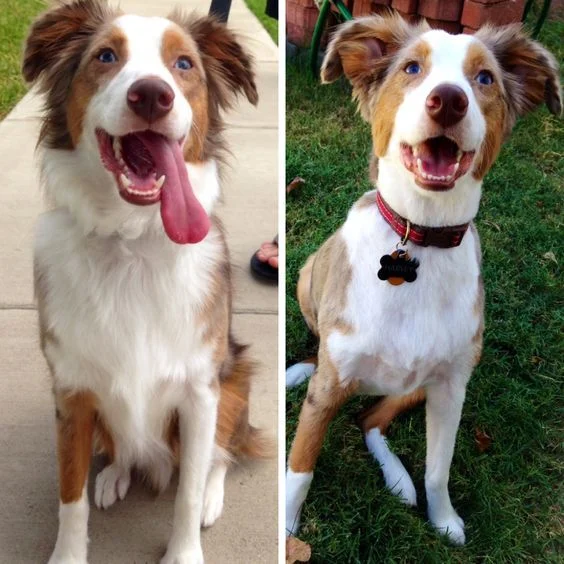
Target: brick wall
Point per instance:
(454, 16)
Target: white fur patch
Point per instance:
(298, 373)
(72, 538)
(396, 476)
(297, 486)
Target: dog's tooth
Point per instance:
(117, 147)
(456, 167)
(125, 181)
(420, 166)
(415, 151)
(159, 183)
(458, 155)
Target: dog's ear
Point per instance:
(530, 72)
(228, 66)
(59, 36)
(363, 49)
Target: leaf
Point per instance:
(297, 550)
(483, 440)
(296, 183)
(550, 256)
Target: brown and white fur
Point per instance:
(135, 328)
(419, 339)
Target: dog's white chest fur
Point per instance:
(403, 335)
(128, 311)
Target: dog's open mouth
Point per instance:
(436, 163)
(149, 167)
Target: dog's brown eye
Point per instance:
(484, 77)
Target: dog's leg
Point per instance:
(75, 428)
(374, 423)
(444, 407)
(325, 396)
(197, 422)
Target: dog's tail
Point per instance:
(234, 432)
(300, 372)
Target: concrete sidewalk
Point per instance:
(136, 530)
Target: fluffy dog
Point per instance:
(132, 271)
(396, 294)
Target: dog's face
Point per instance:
(143, 94)
(440, 105)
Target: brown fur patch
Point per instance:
(228, 70)
(389, 98)
(387, 409)
(75, 429)
(215, 312)
(192, 84)
(477, 339)
(93, 75)
(53, 52)
(331, 276)
(328, 396)
(367, 200)
(491, 99)
(364, 49)
(530, 72)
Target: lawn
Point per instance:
(15, 17)
(510, 496)
(257, 7)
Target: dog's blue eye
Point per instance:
(183, 63)
(484, 77)
(107, 56)
(413, 68)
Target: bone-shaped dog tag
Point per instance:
(398, 268)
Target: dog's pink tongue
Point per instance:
(184, 218)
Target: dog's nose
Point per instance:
(150, 98)
(447, 104)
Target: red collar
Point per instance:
(442, 237)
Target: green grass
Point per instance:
(15, 17)
(257, 7)
(510, 496)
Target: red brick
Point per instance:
(296, 35)
(405, 6)
(291, 8)
(490, 1)
(411, 18)
(450, 27)
(441, 10)
(305, 3)
(476, 14)
(468, 30)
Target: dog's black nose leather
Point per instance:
(447, 104)
(150, 98)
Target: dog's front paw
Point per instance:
(213, 504)
(452, 527)
(111, 483)
(59, 558)
(189, 556)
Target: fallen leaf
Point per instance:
(550, 256)
(483, 440)
(296, 183)
(297, 550)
